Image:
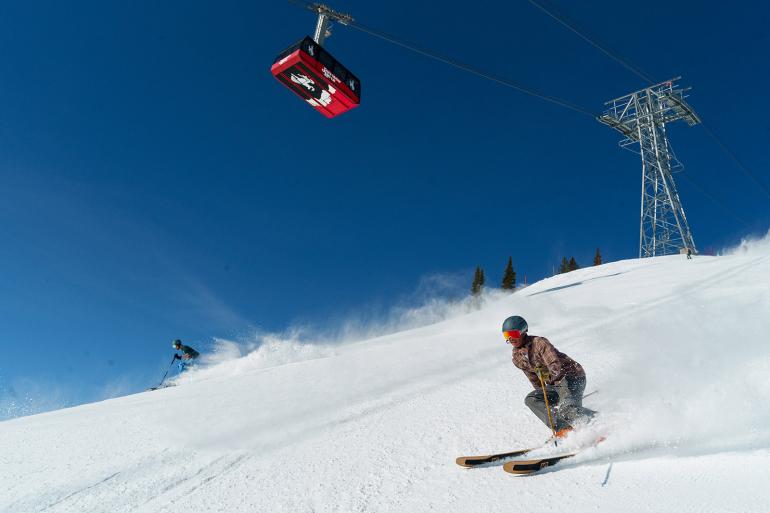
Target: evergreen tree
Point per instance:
(573, 265)
(509, 276)
(598, 258)
(478, 281)
(564, 268)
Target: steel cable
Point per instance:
(457, 64)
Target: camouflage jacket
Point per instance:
(538, 352)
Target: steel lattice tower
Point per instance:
(642, 117)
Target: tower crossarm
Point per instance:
(624, 128)
(683, 110)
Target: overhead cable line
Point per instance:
(457, 64)
(476, 71)
(608, 52)
(735, 159)
(614, 55)
(715, 200)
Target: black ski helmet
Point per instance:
(176, 343)
(515, 323)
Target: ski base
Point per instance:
(521, 467)
(474, 461)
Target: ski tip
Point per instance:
(463, 461)
(512, 469)
(476, 461)
(523, 467)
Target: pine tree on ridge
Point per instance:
(509, 276)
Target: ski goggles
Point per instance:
(512, 334)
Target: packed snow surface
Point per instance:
(677, 350)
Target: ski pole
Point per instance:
(166, 374)
(547, 406)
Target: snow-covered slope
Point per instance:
(678, 350)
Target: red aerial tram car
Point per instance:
(317, 77)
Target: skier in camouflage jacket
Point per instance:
(564, 378)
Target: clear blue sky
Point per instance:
(157, 182)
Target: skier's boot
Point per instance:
(559, 435)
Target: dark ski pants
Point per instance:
(566, 401)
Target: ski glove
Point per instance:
(543, 373)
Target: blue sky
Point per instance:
(157, 182)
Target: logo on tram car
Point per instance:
(318, 93)
(328, 74)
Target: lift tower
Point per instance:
(642, 117)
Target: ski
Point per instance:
(530, 466)
(474, 461)
(521, 467)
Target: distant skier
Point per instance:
(564, 378)
(188, 354)
(689, 254)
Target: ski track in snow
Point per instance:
(79, 491)
(376, 426)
